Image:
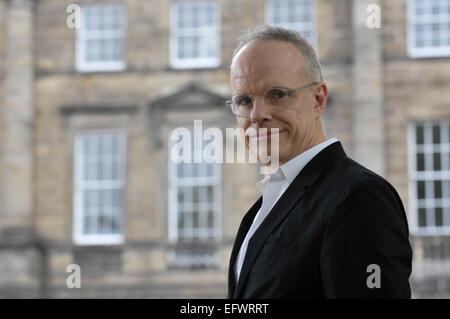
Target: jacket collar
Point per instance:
(293, 167)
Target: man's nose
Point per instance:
(260, 111)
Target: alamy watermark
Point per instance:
(206, 146)
(74, 279)
(74, 18)
(374, 19)
(374, 279)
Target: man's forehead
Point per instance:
(266, 54)
(271, 60)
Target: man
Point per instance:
(325, 226)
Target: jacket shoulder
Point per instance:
(349, 174)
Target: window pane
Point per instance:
(196, 195)
(104, 224)
(115, 224)
(419, 31)
(438, 216)
(419, 134)
(203, 169)
(181, 194)
(180, 222)
(419, 9)
(210, 196)
(188, 169)
(116, 198)
(210, 219)
(196, 219)
(436, 134)
(436, 161)
(445, 189)
(86, 225)
(448, 130)
(116, 50)
(420, 189)
(197, 169)
(203, 194)
(210, 170)
(420, 162)
(448, 161)
(422, 217)
(446, 217)
(437, 189)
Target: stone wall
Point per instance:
(63, 102)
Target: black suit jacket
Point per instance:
(334, 220)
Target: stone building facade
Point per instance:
(386, 96)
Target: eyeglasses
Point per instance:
(275, 99)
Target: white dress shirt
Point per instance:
(272, 188)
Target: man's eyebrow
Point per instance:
(264, 91)
(240, 93)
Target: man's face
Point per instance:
(262, 65)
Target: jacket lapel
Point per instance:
(243, 229)
(294, 193)
(282, 208)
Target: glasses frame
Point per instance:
(289, 93)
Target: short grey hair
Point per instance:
(265, 33)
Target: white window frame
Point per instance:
(79, 185)
(428, 175)
(104, 66)
(296, 26)
(193, 63)
(429, 51)
(174, 183)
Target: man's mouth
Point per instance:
(264, 133)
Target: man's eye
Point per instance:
(275, 94)
(243, 100)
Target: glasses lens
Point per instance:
(243, 104)
(276, 97)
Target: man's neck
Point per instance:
(317, 141)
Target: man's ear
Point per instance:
(320, 98)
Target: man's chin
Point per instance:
(270, 158)
(262, 148)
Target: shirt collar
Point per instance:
(276, 175)
(292, 168)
